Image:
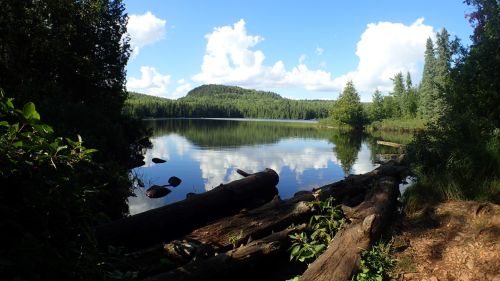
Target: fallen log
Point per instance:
(368, 219)
(175, 220)
(241, 261)
(391, 144)
(276, 215)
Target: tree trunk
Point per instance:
(368, 219)
(235, 264)
(175, 220)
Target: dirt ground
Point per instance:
(457, 240)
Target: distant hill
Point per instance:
(222, 101)
(229, 92)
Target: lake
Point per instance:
(204, 153)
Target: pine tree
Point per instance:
(399, 93)
(427, 84)
(347, 109)
(377, 106)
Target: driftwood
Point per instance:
(238, 262)
(175, 220)
(368, 219)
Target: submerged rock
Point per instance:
(157, 191)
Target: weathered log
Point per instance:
(223, 234)
(368, 219)
(238, 262)
(175, 220)
(391, 144)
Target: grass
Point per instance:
(406, 264)
(398, 124)
(440, 188)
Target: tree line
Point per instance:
(226, 102)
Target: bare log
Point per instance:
(175, 220)
(391, 144)
(238, 262)
(368, 219)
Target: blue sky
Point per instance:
(299, 49)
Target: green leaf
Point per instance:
(9, 103)
(18, 144)
(319, 248)
(29, 111)
(295, 251)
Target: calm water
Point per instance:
(205, 153)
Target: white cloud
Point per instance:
(302, 58)
(144, 30)
(229, 59)
(319, 51)
(182, 88)
(384, 49)
(151, 82)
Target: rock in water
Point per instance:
(157, 191)
(158, 160)
(174, 181)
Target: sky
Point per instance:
(299, 49)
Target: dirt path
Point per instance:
(451, 241)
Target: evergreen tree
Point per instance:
(409, 83)
(377, 107)
(69, 58)
(347, 108)
(427, 87)
(399, 93)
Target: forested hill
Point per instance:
(229, 92)
(226, 102)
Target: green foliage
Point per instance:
(458, 157)
(347, 108)
(225, 102)
(308, 245)
(376, 109)
(376, 263)
(69, 58)
(399, 124)
(48, 198)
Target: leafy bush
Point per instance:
(376, 263)
(307, 246)
(48, 200)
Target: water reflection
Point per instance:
(206, 153)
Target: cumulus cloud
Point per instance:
(151, 82)
(144, 30)
(384, 49)
(182, 88)
(229, 59)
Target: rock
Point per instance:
(433, 278)
(158, 160)
(157, 191)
